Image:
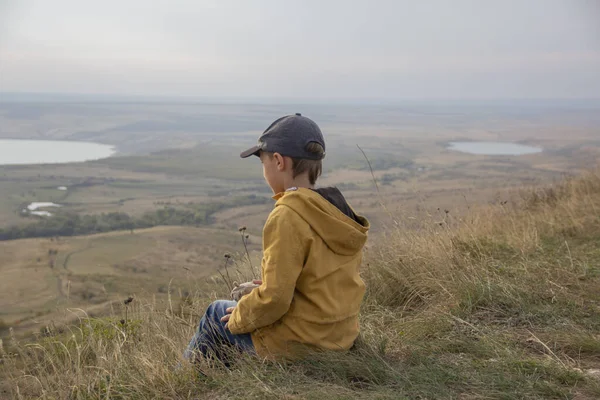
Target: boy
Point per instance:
(310, 292)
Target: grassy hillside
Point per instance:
(503, 303)
(43, 277)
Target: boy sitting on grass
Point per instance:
(311, 291)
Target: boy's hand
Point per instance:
(240, 291)
(226, 317)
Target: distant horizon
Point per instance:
(26, 96)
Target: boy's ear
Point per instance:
(280, 160)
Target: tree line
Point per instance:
(71, 224)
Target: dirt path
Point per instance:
(68, 257)
(60, 275)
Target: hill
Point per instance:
(501, 303)
(44, 276)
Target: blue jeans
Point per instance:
(212, 339)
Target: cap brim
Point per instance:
(252, 151)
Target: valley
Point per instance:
(156, 218)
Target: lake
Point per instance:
(494, 148)
(14, 152)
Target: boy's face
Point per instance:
(274, 170)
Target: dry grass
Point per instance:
(89, 271)
(502, 303)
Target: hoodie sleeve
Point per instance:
(284, 249)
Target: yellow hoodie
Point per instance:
(311, 290)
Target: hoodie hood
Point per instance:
(343, 234)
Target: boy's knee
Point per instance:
(218, 309)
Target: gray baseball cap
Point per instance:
(289, 137)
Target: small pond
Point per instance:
(494, 148)
(34, 208)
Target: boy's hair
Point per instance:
(313, 167)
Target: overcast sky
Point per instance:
(347, 49)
